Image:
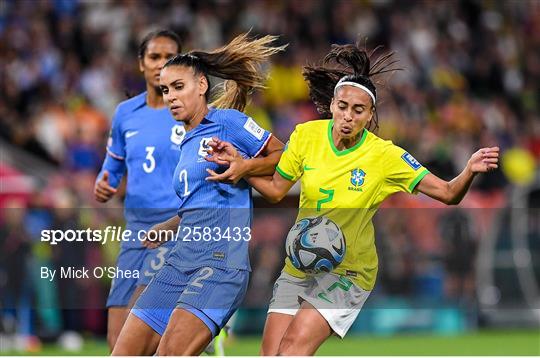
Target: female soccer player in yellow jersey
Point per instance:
(342, 166)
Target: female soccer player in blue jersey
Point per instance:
(341, 165)
(206, 275)
(145, 141)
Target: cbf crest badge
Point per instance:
(357, 179)
(178, 132)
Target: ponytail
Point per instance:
(239, 63)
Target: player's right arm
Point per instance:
(103, 192)
(452, 192)
(114, 165)
(170, 227)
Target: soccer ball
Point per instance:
(315, 245)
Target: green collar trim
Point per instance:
(346, 151)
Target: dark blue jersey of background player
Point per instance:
(145, 141)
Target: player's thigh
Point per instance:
(151, 313)
(214, 294)
(274, 329)
(337, 299)
(137, 338)
(122, 288)
(186, 334)
(283, 306)
(157, 302)
(152, 261)
(116, 317)
(305, 334)
(136, 294)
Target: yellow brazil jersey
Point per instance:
(347, 186)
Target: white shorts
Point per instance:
(335, 297)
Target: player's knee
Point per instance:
(120, 350)
(263, 352)
(269, 347)
(112, 338)
(292, 341)
(268, 351)
(167, 347)
(171, 350)
(285, 345)
(164, 350)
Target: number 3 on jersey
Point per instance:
(182, 177)
(150, 164)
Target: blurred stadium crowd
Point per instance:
(470, 78)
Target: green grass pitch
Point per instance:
(492, 343)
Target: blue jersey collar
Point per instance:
(140, 101)
(208, 119)
(210, 115)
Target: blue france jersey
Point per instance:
(215, 226)
(146, 142)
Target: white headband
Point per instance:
(357, 85)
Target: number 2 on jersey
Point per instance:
(183, 179)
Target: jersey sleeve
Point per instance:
(403, 171)
(246, 135)
(290, 164)
(114, 161)
(116, 146)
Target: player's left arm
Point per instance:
(265, 163)
(272, 188)
(452, 192)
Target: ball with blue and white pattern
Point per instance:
(315, 245)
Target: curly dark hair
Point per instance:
(348, 63)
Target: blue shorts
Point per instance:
(147, 262)
(212, 294)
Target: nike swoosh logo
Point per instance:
(131, 134)
(306, 168)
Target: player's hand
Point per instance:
(103, 192)
(484, 160)
(156, 236)
(221, 152)
(224, 153)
